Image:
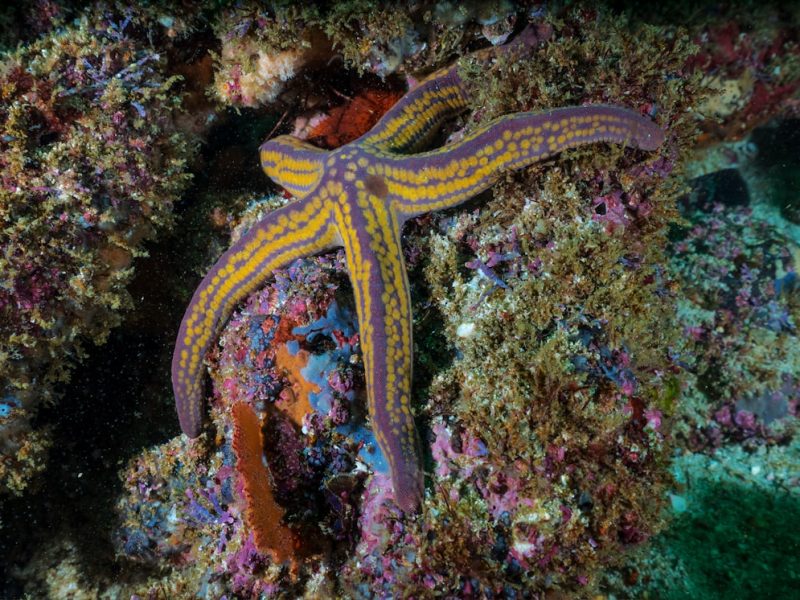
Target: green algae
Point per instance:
(738, 542)
(731, 533)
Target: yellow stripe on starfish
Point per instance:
(297, 164)
(445, 177)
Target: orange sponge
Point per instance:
(264, 514)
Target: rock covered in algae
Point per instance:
(733, 504)
(260, 54)
(752, 71)
(548, 428)
(182, 508)
(547, 421)
(264, 47)
(91, 165)
(739, 312)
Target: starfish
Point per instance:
(359, 196)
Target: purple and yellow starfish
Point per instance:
(359, 196)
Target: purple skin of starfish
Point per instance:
(359, 196)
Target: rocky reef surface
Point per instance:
(606, 375)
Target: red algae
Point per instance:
(342, 124)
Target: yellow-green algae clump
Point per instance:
(90, 165)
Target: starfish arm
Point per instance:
(450, 175)
(293, 231)
(414, 120)
(371, 236)
(293, 164)
(411, 123)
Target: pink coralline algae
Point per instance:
(610, 210)
(90, 164)
(739, 276)
(183, 507)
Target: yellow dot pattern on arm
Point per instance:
(380, 286)
(285, 235)
(448, 176)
